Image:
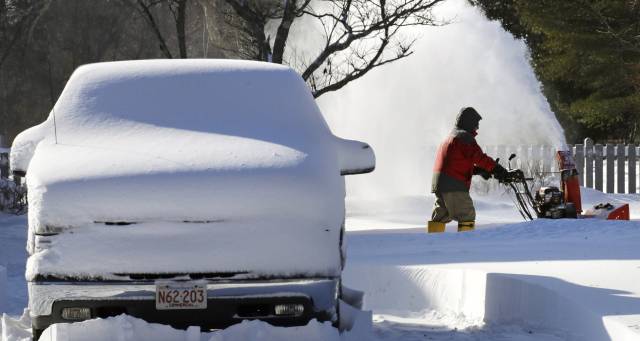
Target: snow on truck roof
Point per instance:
(262, 101)
(221, 96)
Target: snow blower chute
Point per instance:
(557, 202)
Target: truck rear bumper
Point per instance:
(227, 303)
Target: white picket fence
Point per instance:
(537, 161)
(610, 168)
(534, 158)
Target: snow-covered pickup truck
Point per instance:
(190, 193)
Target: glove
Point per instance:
(480, 171)
(499, 173)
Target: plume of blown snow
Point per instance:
(405, 109)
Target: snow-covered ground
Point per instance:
(509, 280)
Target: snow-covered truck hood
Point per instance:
(232, 178)
(176, 142)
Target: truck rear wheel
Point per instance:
(343, 247)
(35, 333)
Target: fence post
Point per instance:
(578, 155)
(537, 156)
(598, 166)
(588, 165)
(621, 158)
(4, 165)
(610, 155)
(631, 170)
(492, 151)
(547, 159)
(520, 153)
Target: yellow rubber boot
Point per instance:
(435, 227)
(466, 226)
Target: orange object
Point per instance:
(608, 211)
(619, 213)
(570, 183)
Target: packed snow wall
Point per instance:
(406, 108)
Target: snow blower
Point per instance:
(553, 202)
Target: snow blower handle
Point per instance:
(514, 175)
(511, 157)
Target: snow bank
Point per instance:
(466, 298)
(129, 328)
(412, 291)
(15, 328)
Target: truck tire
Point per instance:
(343, 247)
(35, 333)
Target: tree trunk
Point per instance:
(283, 31)
(180, 27)
(146, 12)
(256, 23)
(262, 43)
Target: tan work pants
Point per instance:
(456, 206)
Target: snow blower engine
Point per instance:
(557, 202)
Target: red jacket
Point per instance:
(455, 160)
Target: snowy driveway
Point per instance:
(524, 281)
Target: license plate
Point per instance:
(181, 295)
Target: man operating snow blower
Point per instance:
(459, 157)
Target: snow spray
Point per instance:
(405, 109)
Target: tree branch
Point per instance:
(145, 10)
(403, 10)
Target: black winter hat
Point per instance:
(468, 119)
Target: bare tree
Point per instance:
(17, 19)
(43, 41)
(358, 35)
(178, 10)
(253, 18)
